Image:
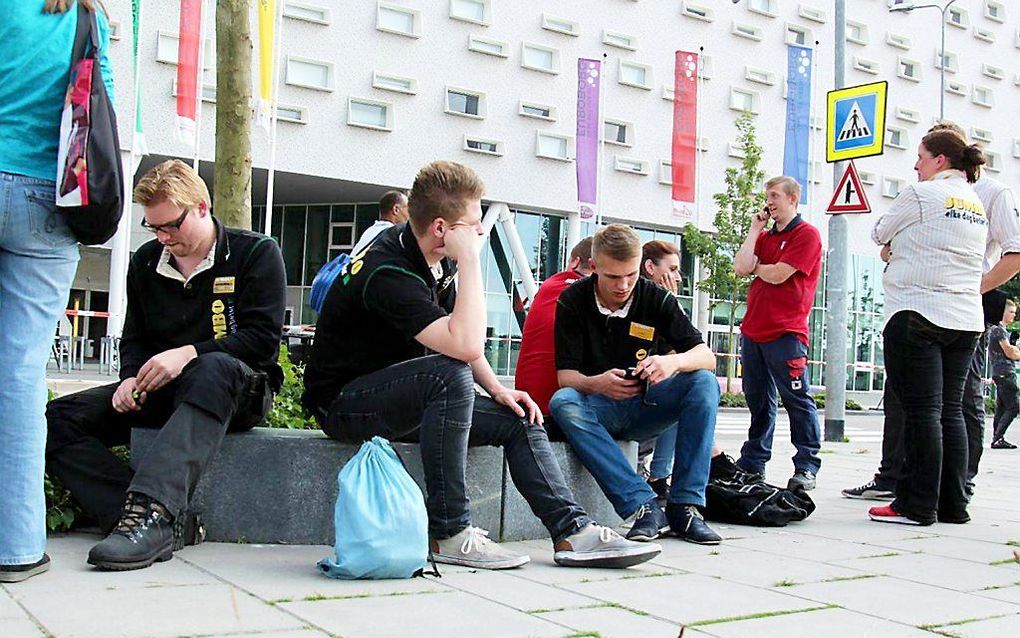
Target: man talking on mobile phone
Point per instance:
(785, 262)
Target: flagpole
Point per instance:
(202, 23)
(602, 143)
(271, 173)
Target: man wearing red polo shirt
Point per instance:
(785, 262)
(536, 365)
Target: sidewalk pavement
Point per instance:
(835, 575)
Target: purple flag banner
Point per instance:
(589, 74)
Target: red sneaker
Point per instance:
(886, 514)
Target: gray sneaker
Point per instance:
(471, 547)
(598, 546)
(801, 480)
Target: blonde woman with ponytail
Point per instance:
(38, 257)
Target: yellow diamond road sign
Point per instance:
(856, 122)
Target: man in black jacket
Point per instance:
(198, 358)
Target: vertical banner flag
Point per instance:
(138, 147)
(685, 134)
(587, 139)
(267, 44)
(187, 70)
(796, 161)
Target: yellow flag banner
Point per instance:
(267, 42)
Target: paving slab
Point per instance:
(790, 543)
(19, 628)
(442, 615)
(542, 569)
(613, 622)
(903, 601)
(977, 551)
(146, 613)
(1006, 594)
(941, 571)
(764, 570)
(9, 608)
(523, 595)
(688, 598)
(837, 623)
(990, 628)
(288, 572)
(297, 633)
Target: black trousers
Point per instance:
(974, 406)
(213, 394)
(432, 401)
(891, 467)
(927, 368)
(1007, 406)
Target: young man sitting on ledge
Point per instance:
(371, 374)
(198, 358)
(631, 366)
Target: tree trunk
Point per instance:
(232, 177)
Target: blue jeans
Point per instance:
(782, 365)
(38, 257)
(662, 456)
(685, 402)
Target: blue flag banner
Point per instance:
(798, 116)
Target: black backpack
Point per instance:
(95, 221)
(732, 498)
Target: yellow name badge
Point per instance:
(223, 286)
(641, 331)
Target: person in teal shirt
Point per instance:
(38, 256)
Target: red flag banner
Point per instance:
(685, 134)
(187, 70)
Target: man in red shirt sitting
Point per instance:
(536, 364)
(785, 262)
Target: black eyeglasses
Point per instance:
(166, 228)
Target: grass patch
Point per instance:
(649, 575)
(1013, 543)
(585, 634)
(764, 614)
(941, 627)
(318, 597)
(840, 579)
(1004, 561)
(714, 552)
(824, 451)
(994, 587)
(785, 583)
(885, 555)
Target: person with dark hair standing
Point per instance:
(398, 350)
(934, 238)
(1003, 356)
(392, 211)
(38, 256)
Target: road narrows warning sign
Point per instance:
(849, 196)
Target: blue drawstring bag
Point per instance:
(324, 280)
(381, 523)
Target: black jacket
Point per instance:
(235, 307)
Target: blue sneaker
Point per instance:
(649, 522)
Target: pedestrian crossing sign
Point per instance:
(856, 122)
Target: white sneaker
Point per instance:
(598, 546)
(471, 547)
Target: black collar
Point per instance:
(793, 224)
(411, 249)
(222, 243)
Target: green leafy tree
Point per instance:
(742, 198)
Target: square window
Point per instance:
(619, 40)
(796, 34)
(744, 100)
(1016, 148)
(374, 114)
(539, 58)
(956, 88)
(635, 74)
(985, 35)
(951, 60)
(747, 31)
(867, 177)
(995, 11)
(983, 96)
(484, 146)
(310, 74)
(476, 11)
(393, 18)
(668, 93)
(856, 32)
(981, 135)
(896, 137)
(553, 146)
(994, 72)
(306, 12)
(618, 132)
(759, 76)
(295, 114)
(958, 17)
(465, 102)
(735, 150)
(867, 66)
(891, 187)
(537, 111)
(697, 11)
(908, 69)
(907, 115)
(897, 40)
(630, 165)
(992, 161)
(488, 46)
(115, 29)
(166, 50)
(764, 7)
(395, 83)
(560, 25)
(813, 14)
(666, 172)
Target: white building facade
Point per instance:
(372, 90)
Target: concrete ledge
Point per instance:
(280, 486)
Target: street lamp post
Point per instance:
(942, 52)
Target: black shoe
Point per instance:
(1002, 444)
(968, 487)
(661, 488)
(801, 480)
(144, 535)
(870, 491)
(188, 530)
(686, 522)
(748, 477)
(649, 522)
(955, 519)
(18, 573)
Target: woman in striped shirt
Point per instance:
(933, 238)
